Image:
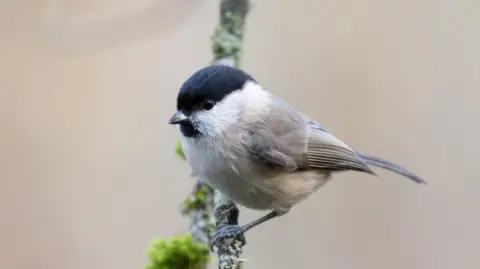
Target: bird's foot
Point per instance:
(226, 234)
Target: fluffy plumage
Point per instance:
(254, 147)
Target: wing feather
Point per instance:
(324, 151)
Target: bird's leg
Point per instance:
(231, 231)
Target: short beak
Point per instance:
(178, 117)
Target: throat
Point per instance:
(188, 130)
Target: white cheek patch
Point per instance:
(217, 120)
(250, 101)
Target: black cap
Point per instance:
(210, 83)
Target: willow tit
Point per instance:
(255, 148)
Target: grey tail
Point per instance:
(372, 160)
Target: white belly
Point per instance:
(241, 193)
(276, 193)
(243, 185)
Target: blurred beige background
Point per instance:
(87, 170)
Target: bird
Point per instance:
(255, 148)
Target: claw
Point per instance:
(228, 233)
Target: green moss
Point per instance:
(178, 149)
(197, 200)
(180, 252)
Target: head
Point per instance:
(212, 99)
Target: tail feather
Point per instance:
(375, 161)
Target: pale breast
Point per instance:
(247, 184)
(226, 173)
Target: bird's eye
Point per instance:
(208, 104)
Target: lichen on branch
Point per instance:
(192, 251)
(227, 49)
(228, 35)
(199, 207)
(226, 213)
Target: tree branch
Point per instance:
(227, 48)
(198, 206)
(226, 213)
